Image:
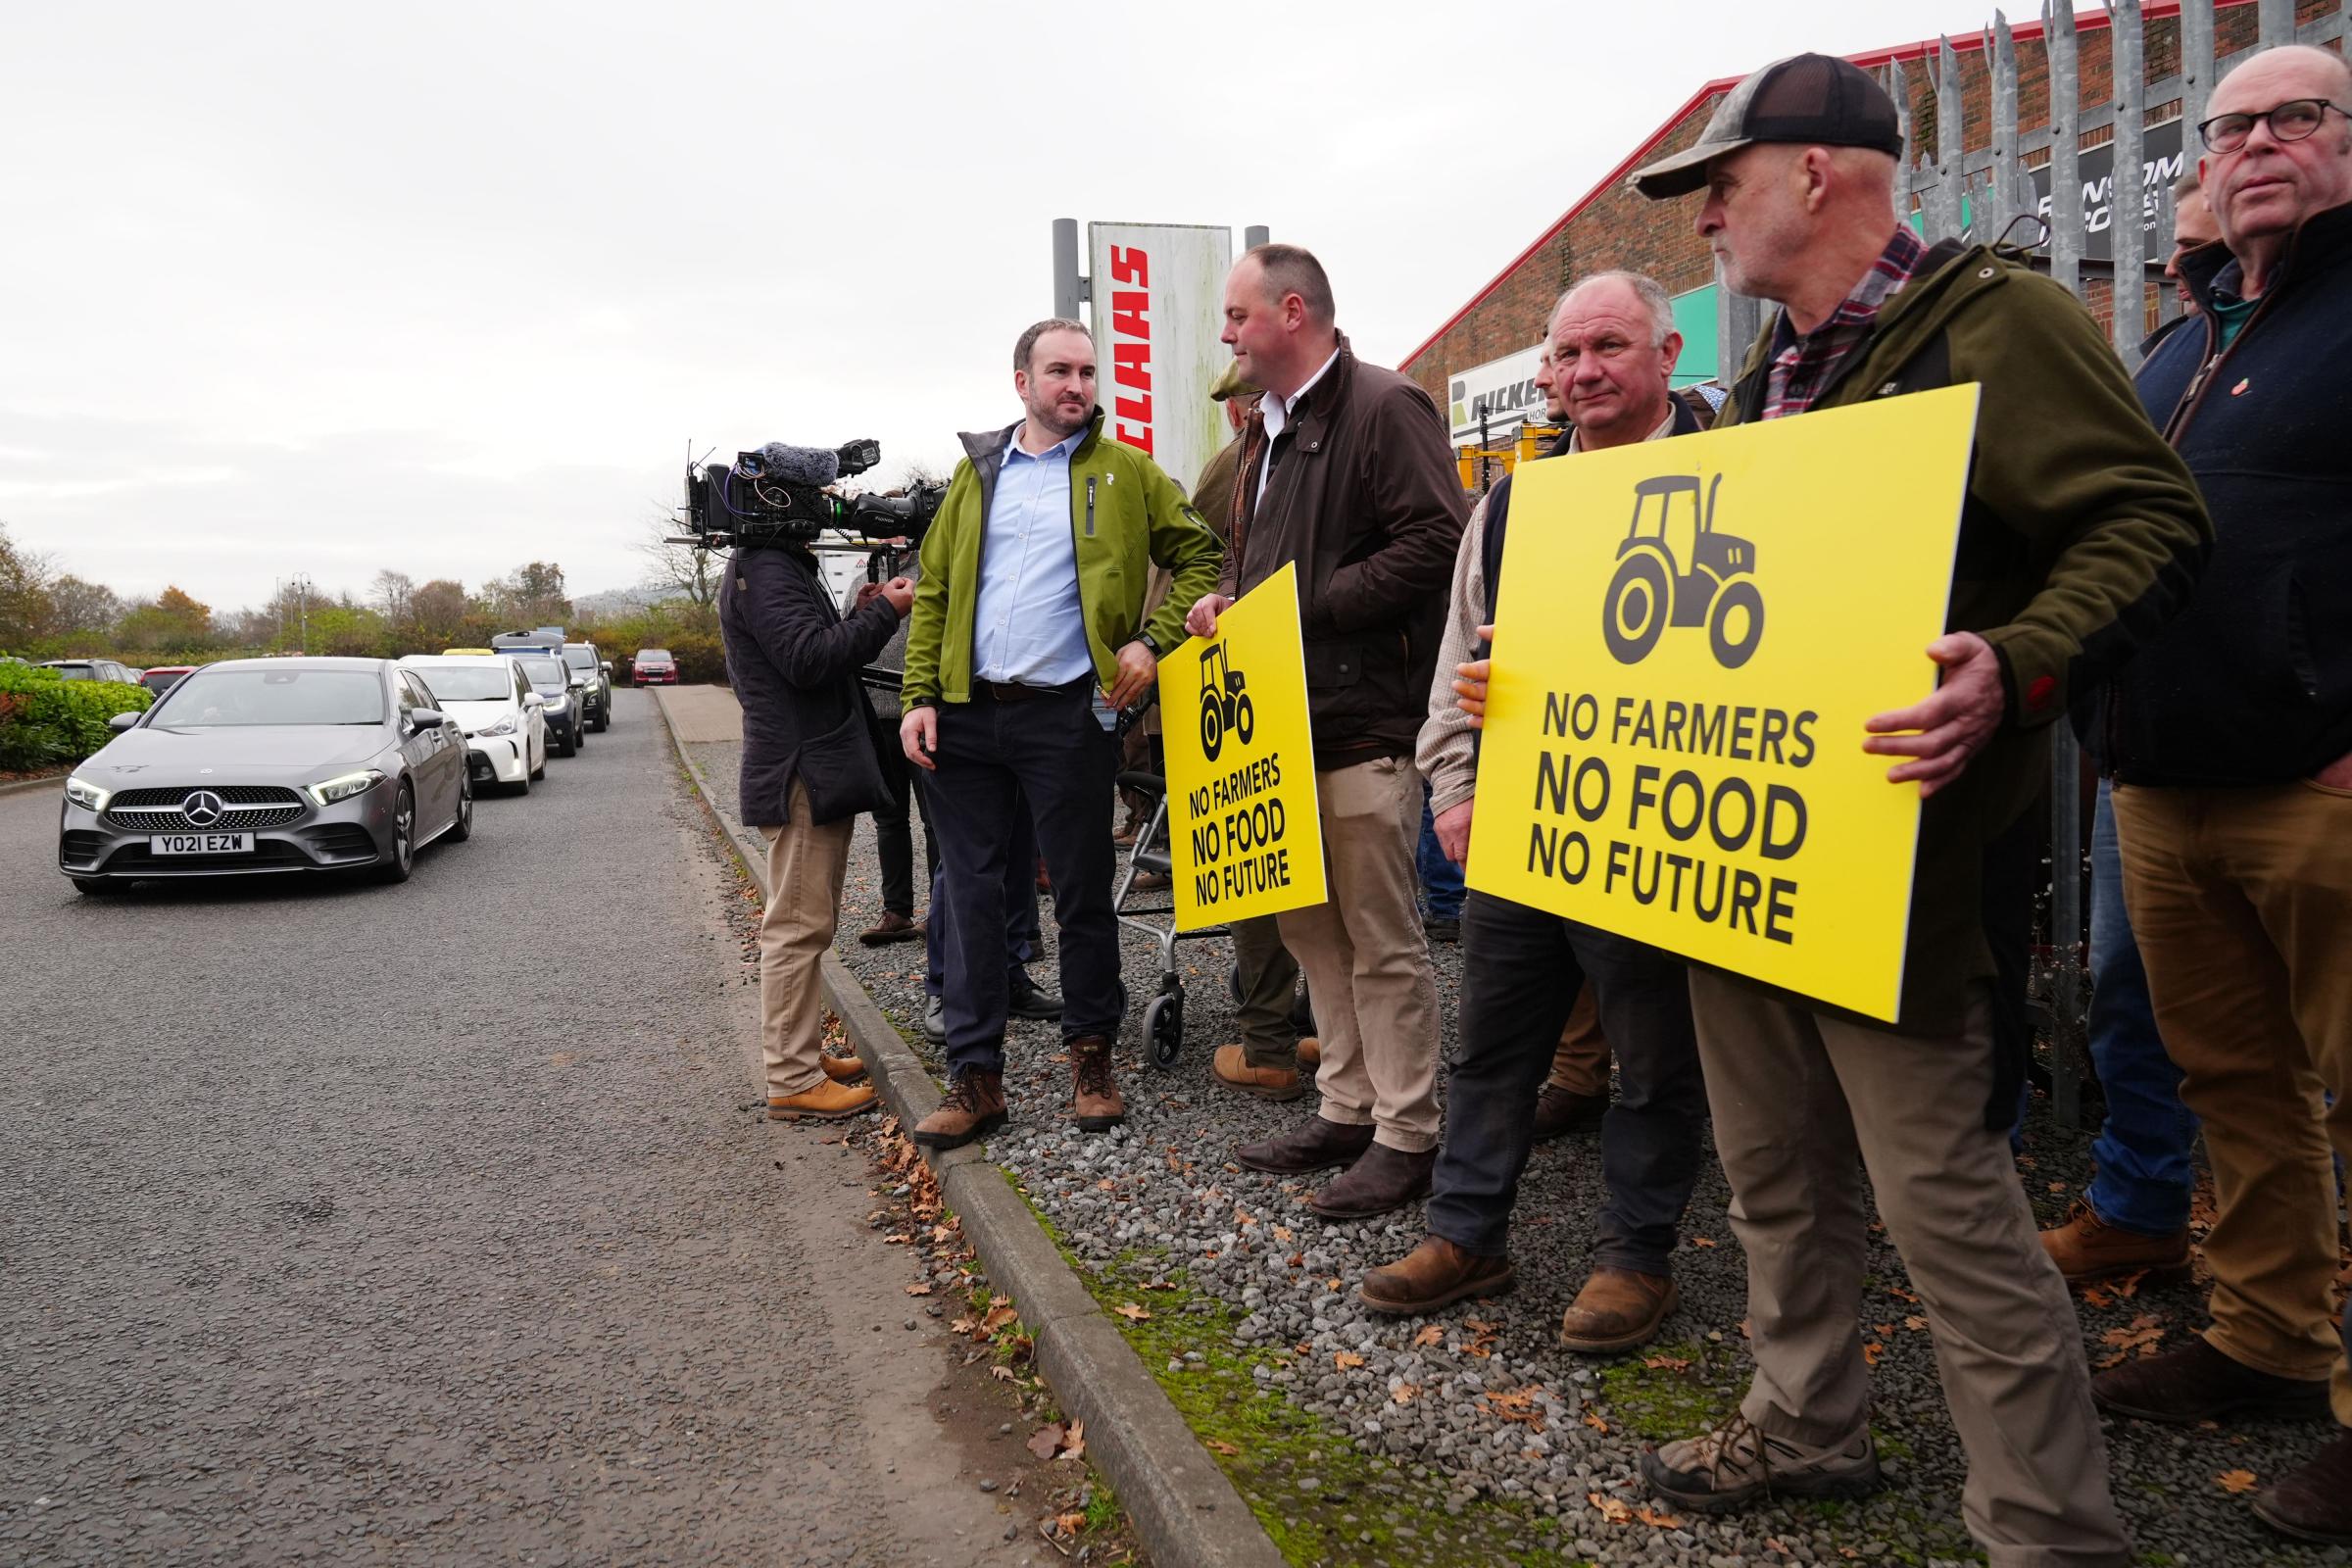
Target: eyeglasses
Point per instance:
(2292, 120)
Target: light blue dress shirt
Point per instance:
(1029, 626)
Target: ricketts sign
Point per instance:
(1156, 294)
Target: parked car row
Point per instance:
(255, 765)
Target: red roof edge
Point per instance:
(2091, 22)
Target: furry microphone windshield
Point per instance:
(806, 465)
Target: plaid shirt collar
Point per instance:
(1803, 368)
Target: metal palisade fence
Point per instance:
(2056, 189)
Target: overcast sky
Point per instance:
(446, 288)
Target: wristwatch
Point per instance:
(1149, 642)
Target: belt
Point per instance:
(1013, 692)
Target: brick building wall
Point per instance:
(1614, 227)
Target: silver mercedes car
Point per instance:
(269, 765)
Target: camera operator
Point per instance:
(810, 766)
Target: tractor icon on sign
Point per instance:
(1224, 706)
(1674, 568)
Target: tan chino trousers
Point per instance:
(1367, 958)
(1581, 1065)
(806, 863)
(2241, 901)
(1805, 1105)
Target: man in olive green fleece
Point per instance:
(1031, 599)
(2081, 535)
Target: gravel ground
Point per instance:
(1162, 1196)
(437, 1224)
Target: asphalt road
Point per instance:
(436, 1223)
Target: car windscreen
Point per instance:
(544, 671)
(485, 682)
(161, 681)
(656, 656)
(247, 697)
(580, 658)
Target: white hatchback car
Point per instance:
(491, 699)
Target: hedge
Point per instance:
(46, 721)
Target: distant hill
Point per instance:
(621, 601)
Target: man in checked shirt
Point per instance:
(2081, 533)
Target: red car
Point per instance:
(163, 677)
(654, 666)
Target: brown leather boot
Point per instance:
(1616, 1310)
(2088, 1249)
(2198, 1383)
(974, 1109)
(1311, 1054)
(1381, 1181)
(1232, 1067)
(1094, 1086)
(1318, 1146)
(1558, 1111)
(842, 1069)
(827, 1101)
(1435, 1274)
(2314, 1503)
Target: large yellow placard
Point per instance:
(1243, 824)
(1690, 636)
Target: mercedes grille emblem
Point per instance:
(202, 808)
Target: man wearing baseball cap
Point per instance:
(2081, 535)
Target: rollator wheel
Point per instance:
(1163, 1030)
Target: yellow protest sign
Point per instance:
(1688, 638)
(1243, 827)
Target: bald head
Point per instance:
(2266, 184)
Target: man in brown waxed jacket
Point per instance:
(1346, 473)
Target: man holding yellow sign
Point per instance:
(2079, 534)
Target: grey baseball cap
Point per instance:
(1810, 100)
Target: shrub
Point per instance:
(45, 721)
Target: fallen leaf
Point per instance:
(2057, 1187)
(918, 1290)
(1611, 1509)
(1282, 1233)
(1045, 1439)
(1593, 1419)
(1132, 1312)
(1667, 1363)
(1069, 1524)
(1476, 1327)
(1652, 1516)
(1405, 1393)
(963, 1325)
(1901, 1295)
(1345, 1360)
(1883, 1329)
(1074, 1442)
(899, 1239)
(1703, 1241)
(998, 1317)
(1332, 1284)
(1872, 1349)
(1220, 1445)
(1004, 1374)
(1433, 1334)
(2093, 1297)
(2237, 1480)
(1915, 1324)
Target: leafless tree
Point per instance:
(395, 594)
(684, 568)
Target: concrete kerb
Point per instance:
(1186, 1511)
(24, 786)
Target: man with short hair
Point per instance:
(1348, 476)
(1031, 598)
(2193, 228)
(2080, 533)
(1611, 352)
(2230, 743)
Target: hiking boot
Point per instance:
(1559, 1112)
(827, 1101)
(1719, 1471)
(1232, 1067)
(1616, 1310)
(1318, 1146)
(1442, 928)
(974, 1109)
(2198, 1383)
(1095, 1088)
(935, 1020)
(1311, 1054)
(1379, 1182)
(1435, 1274)
(2314, 1503)
(842, 1069)
(2088, 1249)
(892, 927)
(1029, 1000)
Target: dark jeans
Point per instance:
(1521, 970)
(1023, 936)
(2143, 1176)
(894, 847)
(993, 752)
(1440, 878)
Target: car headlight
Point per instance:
(504, 726)
(89, 796)
(344, 786)
(556, 704)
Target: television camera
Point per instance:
(777, 496)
